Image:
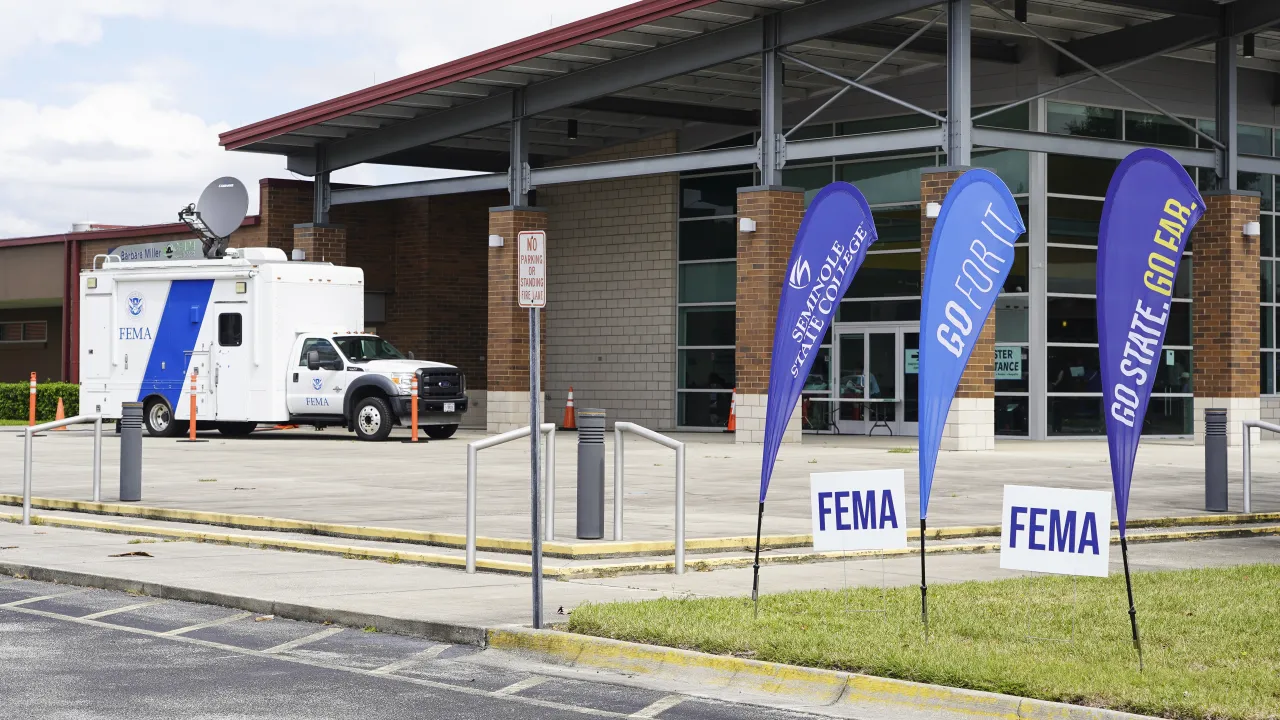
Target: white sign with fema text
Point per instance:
(864, 510)
(1052, 530)
(532, 265)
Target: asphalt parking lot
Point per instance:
(71, 652)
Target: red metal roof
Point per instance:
(574, 33)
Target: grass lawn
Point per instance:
(1211, 637)
(5, 423)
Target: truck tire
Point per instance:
(236, 429)
(372, 419)
(158, 418)
(441, 432)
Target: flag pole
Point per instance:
(755, 582)
(924, 588)
(1133, 613)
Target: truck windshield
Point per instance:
(362, 348)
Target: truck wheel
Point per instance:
(373, 419)
(441, 432)
(158, 417)
(236, 429)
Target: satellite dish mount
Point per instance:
(220, 210)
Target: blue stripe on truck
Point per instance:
(184, 312)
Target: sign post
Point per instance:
(532, 291)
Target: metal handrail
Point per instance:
(548, 488)
(1248, 459)
(26, 457)
(618, 429)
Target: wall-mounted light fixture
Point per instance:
(932, 210)
(746, 225)
(1252, 229)
(298, 255)
(495, 241)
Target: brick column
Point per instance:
(507, 354)
(762, 269)
(322, 243)
(1225, 313)
(971, 421)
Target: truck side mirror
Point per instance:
(411, 355)
(313, 360)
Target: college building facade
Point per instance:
(669, 148)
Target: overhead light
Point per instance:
(1252, 229)
(573, 129)
(1249, 42)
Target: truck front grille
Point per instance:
(440, 383)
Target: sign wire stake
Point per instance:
(1133, 612)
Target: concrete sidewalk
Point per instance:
(357, 592)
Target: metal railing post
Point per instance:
(1248, 466)
(471, 508)
(549, 484)
(26, 478)
(28, 460)
(680, 510)
(619, 428)
(548, 488)
(97, 459)
(617, 482)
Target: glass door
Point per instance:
(876, 380)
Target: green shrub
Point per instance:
(14, 399)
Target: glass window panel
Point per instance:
(1179, 332)
(1065, 119)
(1010, 165)
(1015, 118)
(230, 329)
(878, 311)
(1072, 175)
(1074, 222)
(1075, 416)
(11, 332)
(810, 179)
(1258, 183)
(1168, 416)
(1006, 379)
(1210, 128)
(1072, 320)
(1011, 319)
(1073, 369)
(1268, 331)
(898, 227)
(708, 282)
(811, 131)
(882, 368)
(887, 181)
(887, 275)
(1012, 415)
(1268, 229)
(708, 239)
(1073, 270)
(705, 369)
(884, 124)
(819, 379)
(39, 331)
(1266, 281)
(1171, 373)
(1017, 280)
(704, 409)
(1182, 282)
(707, 326)
(1253, 139)
(1268, 375)
(911, 378)
(711, 195)
(1154, 129)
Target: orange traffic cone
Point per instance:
(733, 412)
(62, 415)
(570, 418)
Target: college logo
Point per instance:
(136, 304)
(800, 275)
(317, 383)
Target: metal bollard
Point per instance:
(1215, 460)
(590, 474)
(131, 452)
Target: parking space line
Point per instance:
(17, 603)
(126, 608)
(516, 687)
(658, 706)
(203, 625)
(427, 654)
(282, 647)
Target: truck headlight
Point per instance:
(404, 381)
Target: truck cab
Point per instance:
(361, 381)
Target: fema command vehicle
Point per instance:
(269, 341)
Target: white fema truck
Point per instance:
(270, 341)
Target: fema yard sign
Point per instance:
(1054, 530)
(532, 266)
(858, 510)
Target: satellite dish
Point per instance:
(219, 212)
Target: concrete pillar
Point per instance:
(1225, 312)
(762, 269)
(507, 353)
(322, 243)
(971, 421)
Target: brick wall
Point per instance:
(762, 266)
(979, 378)
(1225, 291)
(322, 243)
(508, 324)
(283, 204)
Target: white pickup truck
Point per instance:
(267, 340)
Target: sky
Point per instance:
(110, 110)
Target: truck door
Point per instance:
(317, 392)
(232, 361)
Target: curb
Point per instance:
(442, 632)
(789, 682)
